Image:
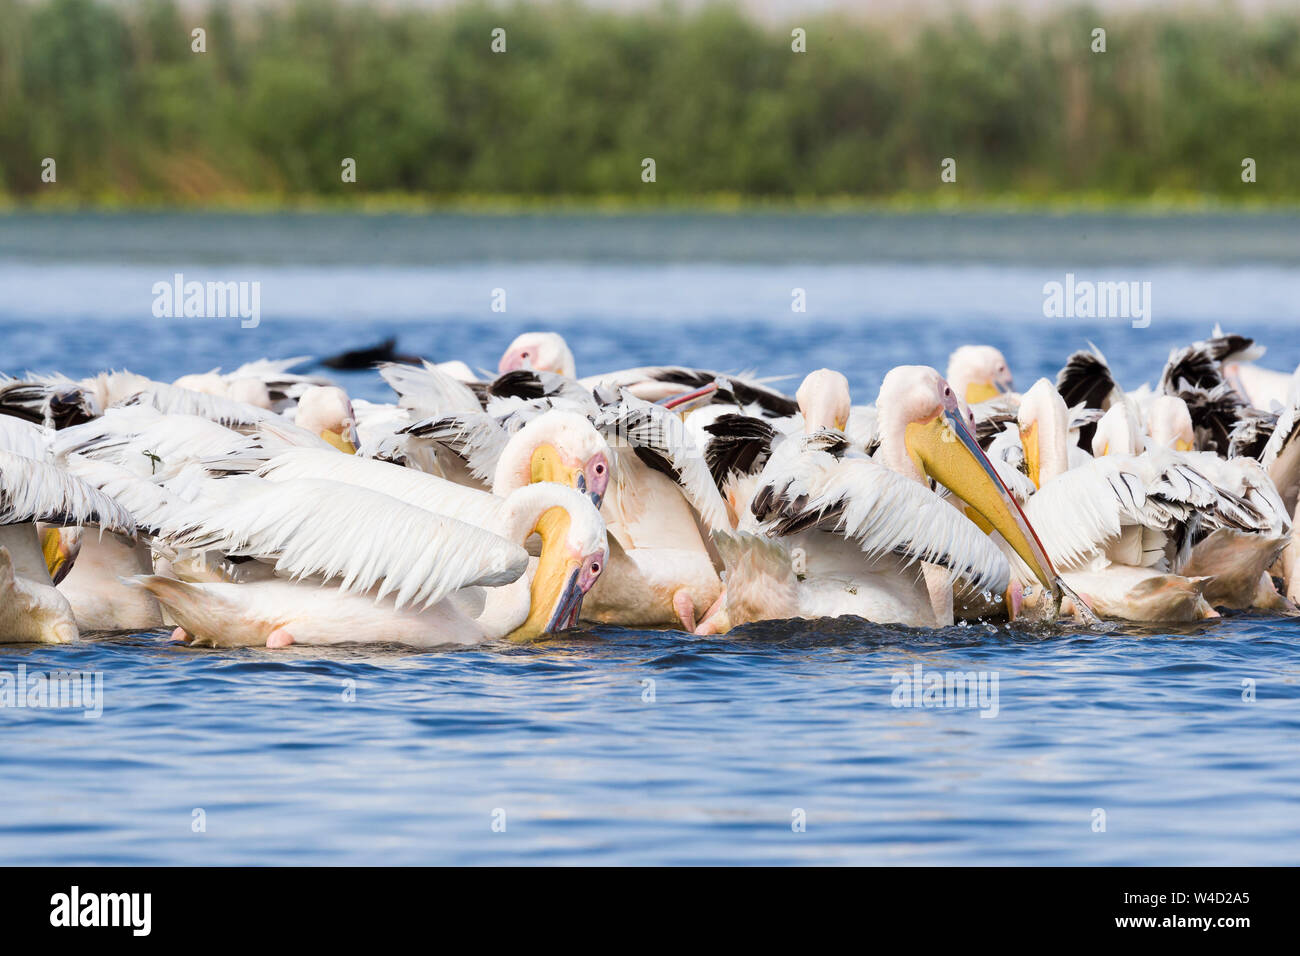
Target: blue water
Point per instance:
(379, 755)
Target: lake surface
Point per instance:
(779, 744)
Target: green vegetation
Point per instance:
(728, 112)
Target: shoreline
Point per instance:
(381, 204)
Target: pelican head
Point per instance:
(1170, 423)
(824, 400)
(574, 548)
(978, 373)
(559, 446)
(1044, 423)
(60, 547)
(1118, 432)
(251, 391)
(925, 432)
(325, 410)
(543, 351)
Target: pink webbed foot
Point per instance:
(279, 638)
(685, 609)
(182, 635)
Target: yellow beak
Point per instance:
(1033, 461)
(944, 449)
(339, 441)
(977, 392)
(56, 554)
(555, 599)
(549, 465)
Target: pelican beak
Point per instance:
(686, 401)
(977, 392)
(59, 557)
(555, 595)
(1033, 459)
(944, 449)
(569, 605)
(549, 465)
(345, 439)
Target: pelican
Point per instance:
(345, 564)
(543, 351)
(842, 534)
(978, 373)
(326, 411)
(547, 352)
(661, 568)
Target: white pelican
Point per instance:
(843, 535)
(660, 494)
(547, 352)
(355, 565)
(325, 411)
(661, 569)
(978, 373)
(543, 351)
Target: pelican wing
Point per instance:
(1246, 499)
(47, 400)
(142, 497)
(280, 383)
(738, 444)
(32, 490)
(652, 383)
(1200, 365)
(21, 437)
(360, 538)
(1085, 379)
(428, 492)
(1082, 510)
(129, 389)
(475, 437)
(148, 441)
(428, 390)
(662, 442)
(531, 385)
(883, 512)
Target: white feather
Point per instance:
(361, 538)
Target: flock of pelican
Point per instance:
(265, 507)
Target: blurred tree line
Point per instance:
(285, 91)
